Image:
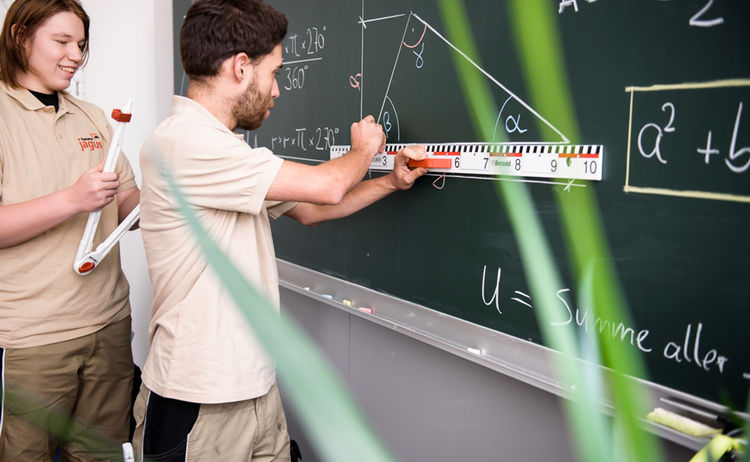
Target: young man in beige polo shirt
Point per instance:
(64, 339)
(209, 388)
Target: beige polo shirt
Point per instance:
(42, 299)
(202, 349)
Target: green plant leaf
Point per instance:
(537, 39)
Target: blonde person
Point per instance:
(64, 339)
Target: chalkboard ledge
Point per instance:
(528, 362)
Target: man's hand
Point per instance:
(402, 177)
(367, 136)
(94, 189)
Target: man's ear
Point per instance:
(242, 67)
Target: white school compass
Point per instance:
(86, 259)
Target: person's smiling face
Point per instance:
(54, 53)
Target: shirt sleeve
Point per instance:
(217, 170)
(276, 208)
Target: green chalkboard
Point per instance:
(661, 85)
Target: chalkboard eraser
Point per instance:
(430, 163)
(681, 423)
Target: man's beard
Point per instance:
(250, 108)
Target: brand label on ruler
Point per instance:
(580, 162)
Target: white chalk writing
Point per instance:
(690, 349)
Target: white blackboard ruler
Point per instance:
(580, 162)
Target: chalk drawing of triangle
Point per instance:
(410, 85)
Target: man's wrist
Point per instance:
(390, 181)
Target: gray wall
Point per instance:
(429, 405)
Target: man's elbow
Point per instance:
(332, 196)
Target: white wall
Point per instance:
(131, 57)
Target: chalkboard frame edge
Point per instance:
(522, 360)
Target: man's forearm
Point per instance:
(362, 195)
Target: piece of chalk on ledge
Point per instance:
(365, 309)
(328, 296)
(346, 302)
(681, 423)
(475, 351)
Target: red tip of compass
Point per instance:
(121, 116)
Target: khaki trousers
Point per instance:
(87, 380)
(251, 430)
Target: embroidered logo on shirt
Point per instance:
(91, 143)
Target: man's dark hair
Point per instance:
(215, 30)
